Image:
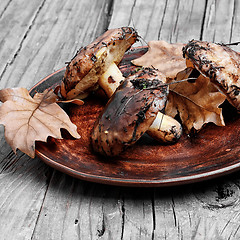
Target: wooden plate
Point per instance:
(213, 152)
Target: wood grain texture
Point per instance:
(138, 219)
(235, 34)
(15, 22)
(4, 5)
(23, 184)
(218, 23)
(53, 39)
(79, 210)
(37, 39)
(36, 202)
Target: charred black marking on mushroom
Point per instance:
(141, 83)
(94, 58)
(111, 80)
(141, 116)
(235, 90)
(191, 48)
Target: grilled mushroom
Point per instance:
(130, 112)
(218, 62)
(164, 129)
(84, 70)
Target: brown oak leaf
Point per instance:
(197, 103)
(28, 119)
(166, 57)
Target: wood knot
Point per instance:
(220, 195)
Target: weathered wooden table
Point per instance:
(37, 37)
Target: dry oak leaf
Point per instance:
(166, 57)
(28, 119)
(197, 103)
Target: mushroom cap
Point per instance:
(90, 62)
(219, 63)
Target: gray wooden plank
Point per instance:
(138, 212)
(121, 14)
(55, 39)
(15, 21)
(218, 21)
(23, 183)
(146, 19)
(3, 6)
(203, 211)
(182, 21)
(235, 33)
(52, 37)
(171, 21)
(139, 218)
(79, 210)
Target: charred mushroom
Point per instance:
(85, 69)
(164, 129)
(218, 62)
(130, 112)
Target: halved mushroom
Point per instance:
(84, 70)
(218, 62)
(130, 112)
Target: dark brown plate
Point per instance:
(213, 152)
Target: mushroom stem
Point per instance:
(165, 129)
(111, 79)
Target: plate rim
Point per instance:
(141, 182)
